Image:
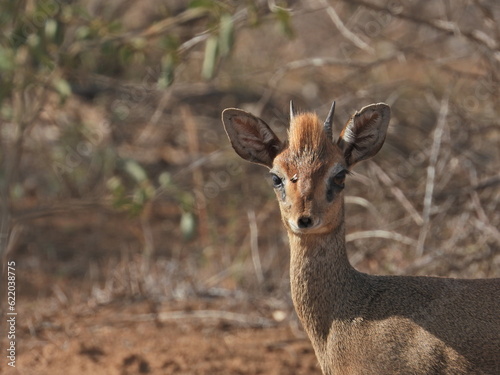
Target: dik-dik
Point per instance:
(359, 323)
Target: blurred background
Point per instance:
(144, 244)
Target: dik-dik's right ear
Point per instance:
(251, 137)
(364, 134)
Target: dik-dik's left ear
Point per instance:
(251, 137)
(364, 134)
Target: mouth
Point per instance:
(312, 228)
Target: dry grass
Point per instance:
(428, 204)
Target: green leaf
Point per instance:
(167, 71)
(140, 197)
(210, 60)
(51, 29)
(188, 225)
(62, 87)
(284, 18)
(114, 184)
(138, 43)
(114, 26)
(82, 32)
(170, 43)
(186, 200)
(135, 170)
(126, 53)
(226, 34)
(33, 40)
(165, 180)
(6, 59)
(205, 4)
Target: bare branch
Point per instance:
(398, 193)
(431, 174)
(158, 28)
(350, 199)
(312, 62)
(60, 208)
(380, 234)
(444, 26)
(240, 319)
(482, 222)
(254, 245)
(358, 42)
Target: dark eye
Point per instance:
(277, 181)
(339, 179)
(335, 184)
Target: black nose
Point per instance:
(304, 222)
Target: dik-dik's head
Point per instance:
(308, 170)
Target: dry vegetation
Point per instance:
(121, 199)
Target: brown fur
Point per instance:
(358, 323)
(306, 137)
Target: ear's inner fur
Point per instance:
(364, 133)
(251, 137)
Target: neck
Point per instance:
(330, 247)
(321, 278)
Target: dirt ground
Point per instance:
(206, 336)
(122, 180)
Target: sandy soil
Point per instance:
(217, 336)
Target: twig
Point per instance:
(155, 30)
(485, 226)
(444, 26)
(315, 62)
(397, 192)
(199, 162)
(254, 245)
(198, 179)
(60, 208)
(350, 199)
(238, 17)
(5, 226)
(147, 232)
(380, 234)
(431, 175)
(299, 64)
(481, 222)
(488, 183)
(235, 266)
(9, 242)
(165, 98)
(348, 34)
(241, 319)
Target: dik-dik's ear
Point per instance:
(364, 134)
(251, 137)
